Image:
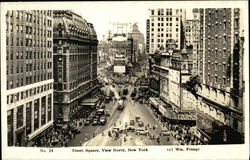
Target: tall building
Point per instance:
(166, 24)
(138, 43)
(189, 32)
(220, 117)
(29, 75)
(147, 35)
(75, 63)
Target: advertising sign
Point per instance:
(119, 69)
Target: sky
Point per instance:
(101, 14)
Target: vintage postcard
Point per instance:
(124, 80)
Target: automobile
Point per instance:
(130, 129)
(125, 91)
(132, 122)
(102, 106)
(133, 94)
(95, 122)
(165, 133)
(107, 99)
(90, 119)
(87, 122)
(140, 124)
(102, 120)
(141, 132)
(107, 113)
(124, 98)
(137, 118)
(140, 101)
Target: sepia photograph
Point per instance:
(125, 77)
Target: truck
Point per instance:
(121, 104)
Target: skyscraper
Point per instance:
(75, 63)
(29, 74)
(220, 110)
(166, 24)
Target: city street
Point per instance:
(119, 118)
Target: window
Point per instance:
(224, 81)
(224, 67)
(216, 53)
(208, 66)
(236, 23)
(224, 39)
(19, 116)
(152, 12)
(215, 66)
(224, 25)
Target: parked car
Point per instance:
(130, 129)
(165, 133)
(87, 122)
(107, 113)
(133, 94)
(103, 120)
(142, 132)
(140, 124)
(141, 101)
(95, 122)
(90, 119)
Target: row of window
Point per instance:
(162, 24)
(28, 93)
(19, 15)
(28, 80)
(28, 55)
(217, 53)
(28, 42)
(29, 67)
(168, 12)
(167, 19)
(28, 30)
(216, 66)
(216, 80)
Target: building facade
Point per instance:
(138, 43)
(220, 115)
(166, 24)
(147, 35)
(29, 71)
(75, 63)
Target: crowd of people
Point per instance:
(183, 134)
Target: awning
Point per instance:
(153, 101)
(162, 109)
(89, 102)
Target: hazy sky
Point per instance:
(101, 14)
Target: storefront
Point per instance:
(211, 130)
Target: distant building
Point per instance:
(138, 42)
(29, 75)
(121, 44)
(75, 63)
(147, 35)
(166, 24)
(220, 109)
(103, 52)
